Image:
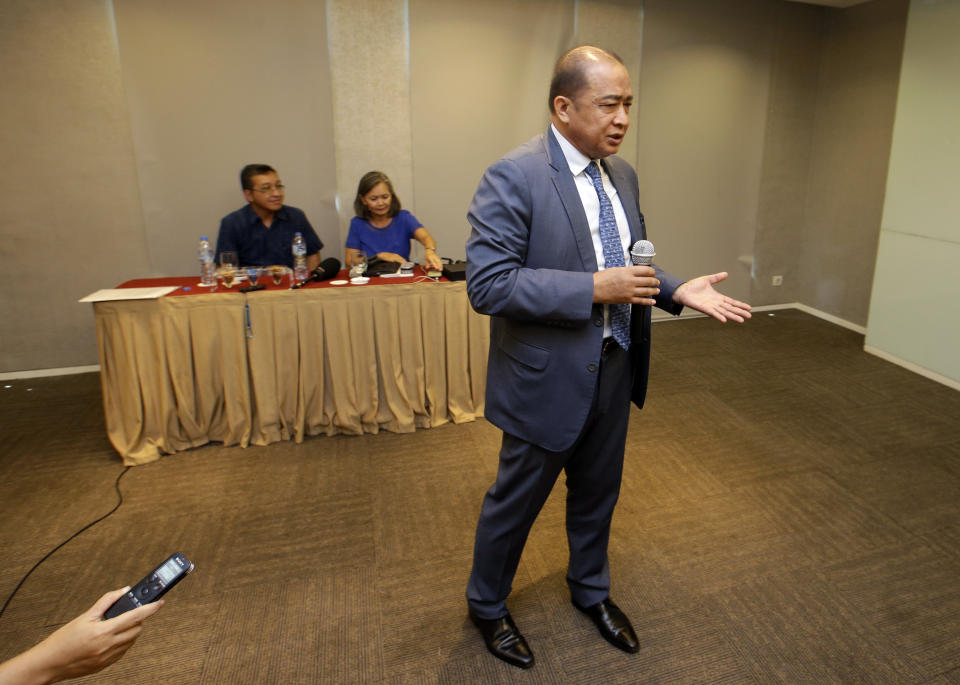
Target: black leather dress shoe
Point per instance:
(613, 625)
(504, 640)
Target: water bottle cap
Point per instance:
(203, 237)
(299, 234)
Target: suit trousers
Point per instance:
(525, 478)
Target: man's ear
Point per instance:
(248, 194)
(562, 105)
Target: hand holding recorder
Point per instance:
(85, 645)
(100, 635)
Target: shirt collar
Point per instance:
(576, 160)
(253, 217)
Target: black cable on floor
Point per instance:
(116, 486)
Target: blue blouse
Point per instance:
(394, 237)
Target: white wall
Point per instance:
(915, 304)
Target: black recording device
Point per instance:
(154, 586)
(455, 271)
(251, 288)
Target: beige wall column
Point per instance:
(370, 71)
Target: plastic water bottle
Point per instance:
(208, 271)
(299, 258)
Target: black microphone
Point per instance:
(327, 269)
(642, 253)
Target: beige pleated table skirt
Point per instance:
(194, 367)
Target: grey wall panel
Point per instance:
(701, 121)
(70, 219)
(850, 150)
(215, 85)
(480, 75)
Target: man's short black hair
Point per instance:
(251, 170)
(570, 72)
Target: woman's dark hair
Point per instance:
(369, 180)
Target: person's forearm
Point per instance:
(424, 238)
(28, 668)
(313, 261)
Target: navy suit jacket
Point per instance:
(530, 265)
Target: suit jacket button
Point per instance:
(591, 367)
(598, 322)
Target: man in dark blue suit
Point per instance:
(548, 259)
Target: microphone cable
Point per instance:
(116, 486)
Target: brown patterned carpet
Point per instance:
(790, 514)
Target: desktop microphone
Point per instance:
(327, 269)
(642, 253)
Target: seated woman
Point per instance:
(382, 229)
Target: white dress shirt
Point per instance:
(577, 161)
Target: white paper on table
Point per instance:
(110, 294)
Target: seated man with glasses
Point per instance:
(261, 233)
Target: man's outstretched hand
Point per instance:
(698, 293)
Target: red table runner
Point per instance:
(190, 285)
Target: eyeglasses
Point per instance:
(269, 189)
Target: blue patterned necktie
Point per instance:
(612, 256)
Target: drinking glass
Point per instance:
(278, 272)
(359, 265)
(227, 276)
(253, 273)
(226, 272)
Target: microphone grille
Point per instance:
(330, 264)
(642, 253)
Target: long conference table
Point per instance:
(199, 366)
